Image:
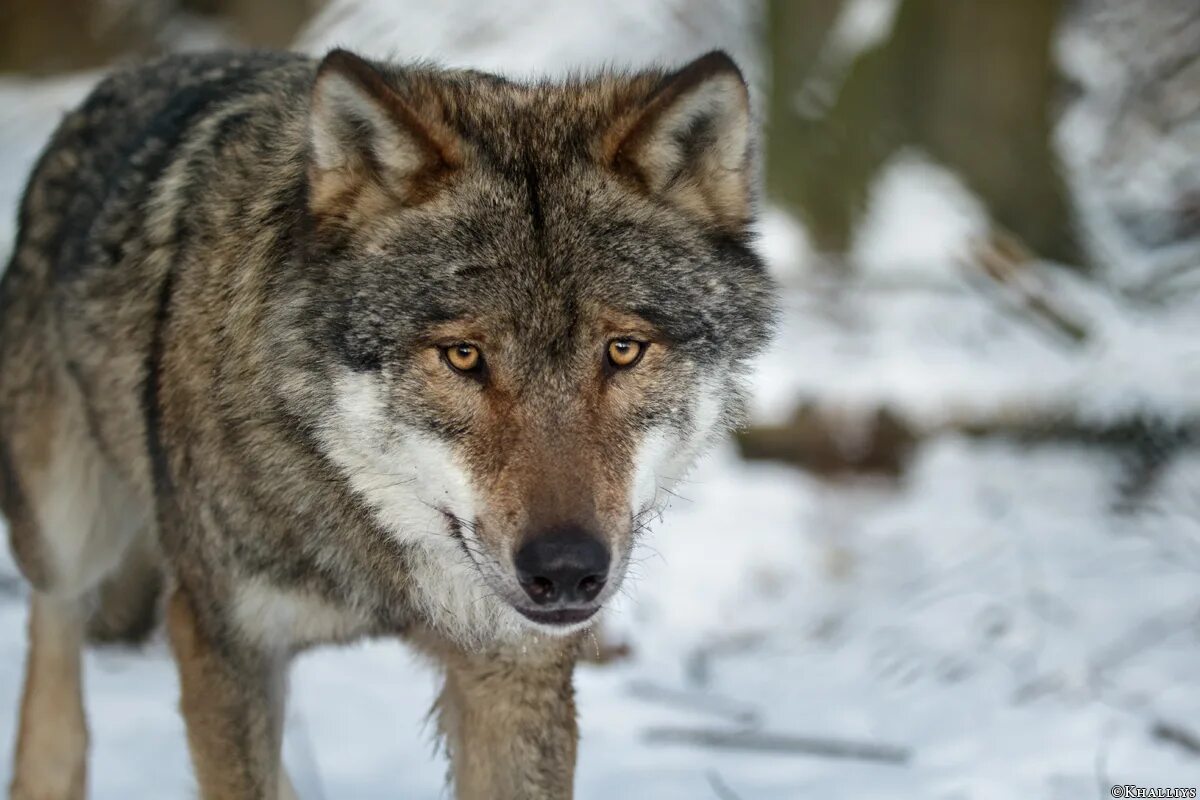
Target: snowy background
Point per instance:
(1006, 605)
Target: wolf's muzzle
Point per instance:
(562, 571)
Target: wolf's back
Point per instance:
(90, 185)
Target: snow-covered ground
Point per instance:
(992, 613)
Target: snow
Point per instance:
(992, 614)
(861, 25)
(919, 221)
(992, 611)
(527, 38)
(951, 351)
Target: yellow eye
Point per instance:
(463, 357)
(625, 353)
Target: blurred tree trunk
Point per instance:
(970, 83)
(261, 23)
(48, 36)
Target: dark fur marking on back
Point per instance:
(151, 386)
(145, 153)
(533, 197)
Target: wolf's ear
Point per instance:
(362, 131)
(690, 142)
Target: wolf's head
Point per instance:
(537, 303)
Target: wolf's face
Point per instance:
(538, 302)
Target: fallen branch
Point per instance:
(698, 662)
(837, 443)
(763, 742)
(720, 788)
(1178, 735)
(834, 444)
(1011, 269)
(716, 705)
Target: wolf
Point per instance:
(296, 352)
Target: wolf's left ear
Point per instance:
(365, 132)
(690, 142)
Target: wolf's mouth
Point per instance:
(561, 616)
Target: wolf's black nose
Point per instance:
(564, 566)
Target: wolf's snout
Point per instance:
(564, 567)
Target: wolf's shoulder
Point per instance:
(108, 153)
(211, 71)
(154, 101)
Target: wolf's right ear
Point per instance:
(689, 143)
(363, 131)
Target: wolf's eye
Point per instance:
(463, 357)
(625, 353)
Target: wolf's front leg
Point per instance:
(232, 703)
(509, 722)
(51, 762)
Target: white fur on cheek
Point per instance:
(409, 479)
(666, 454)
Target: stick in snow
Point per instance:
(695, 701)
(764, 742)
